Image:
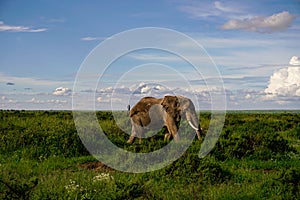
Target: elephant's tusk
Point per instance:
(191, 124)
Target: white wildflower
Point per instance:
(72, 186)
(103, 177)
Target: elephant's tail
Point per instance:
(128, 109)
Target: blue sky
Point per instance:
(254, 44)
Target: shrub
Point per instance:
(17, 182)
(212, 171)
(286, 185)
(192, 168)
(37, 134)
(104, 115)
(295, 132)
(18, 189)
(251, 139)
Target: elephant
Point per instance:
(166, 112)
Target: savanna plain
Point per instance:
(256, 157)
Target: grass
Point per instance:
(42, 157)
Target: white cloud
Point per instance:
(218, 5)
(12, 101)
(89, 38)
(34, 100)
(248, 96)
(202, 9)
(270, 24)
(284, 82)
(11, 28)
(155, 58)
(150, 89)
(57, 101)
(109, 99)
(294, 61)
(62, 91)
(93, 38)
(197, 11)
(41, 101)
(103, 100)
(106, 90)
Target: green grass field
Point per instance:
(256, 157)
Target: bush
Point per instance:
(194, 169)
(36, 134)
(17, 182)
(295, 132)
(212, 171)
(17, 189)
(251, 139)
(286, 185)
(129, 190)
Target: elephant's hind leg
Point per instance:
(137, 131)
(130, 140)
(134, 133)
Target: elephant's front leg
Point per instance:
(140, 135)
(172, 129)
(199, 132)
(167, 135)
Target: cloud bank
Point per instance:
(285, 82)
(269, 24)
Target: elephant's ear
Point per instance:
(172, 107)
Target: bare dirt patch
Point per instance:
(95, 166)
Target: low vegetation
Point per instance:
(257, 157)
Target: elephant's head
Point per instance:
(172, 107)
(179, 106)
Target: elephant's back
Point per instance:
(144, 105)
